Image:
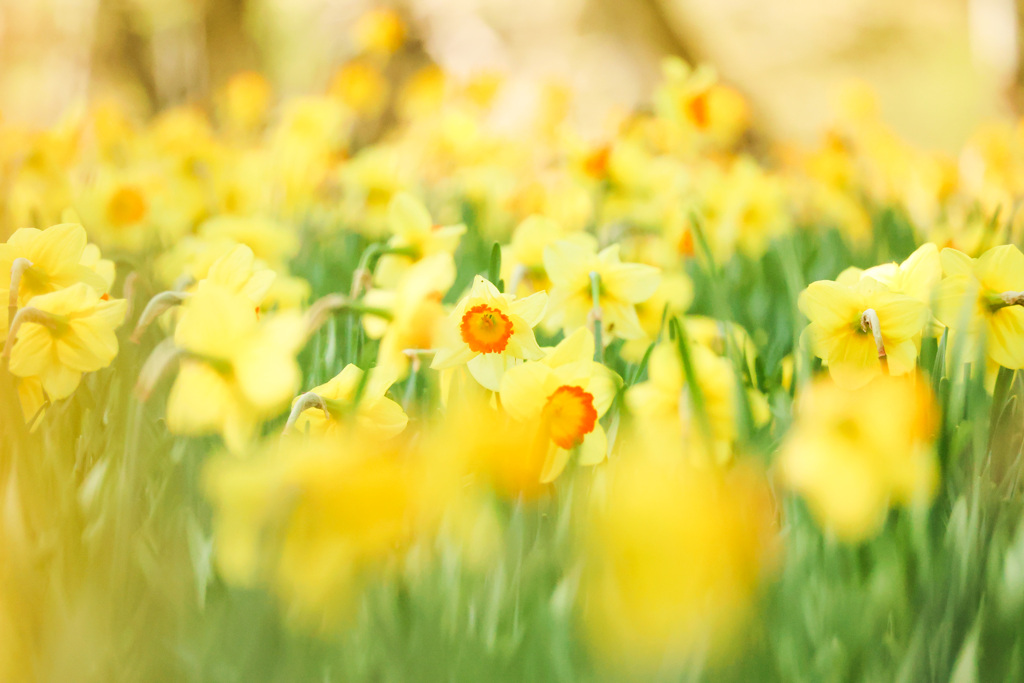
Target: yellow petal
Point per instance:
(524, 390)
(408, 217)
(594, 448)
(198, 399)
(531, 309)
(488, 368)
(955, 262)
(1006, 337)
(632, 282)
(829, 304)
(33, 351)
(1002, 269)
(853, 362)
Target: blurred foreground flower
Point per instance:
(313, 519)
(852, 454)
(674, 555)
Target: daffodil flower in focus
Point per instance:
(855, 328)
(64, 334)
(237, 370)
(563, 395)
(572, 266)
(376, 415)
(985, 296)
(490, 331)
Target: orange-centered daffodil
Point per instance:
(562, 397)
(490, 331)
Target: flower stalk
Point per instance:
(18, 268)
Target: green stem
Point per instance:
(596, 315)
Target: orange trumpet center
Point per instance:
(126, 207)
(485, 329)
(570, 415)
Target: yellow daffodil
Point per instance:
(379, 31)
(316, 519)
(917, 277)
(985, 297)
(69, 332)
(674, 556)
(851, 454)
(236, 271)
(672, 297)
(238, 370)
(853, 328)
(572, 267)
(376, 415)
(417, 316)
(51, 259)
(489, 332)
(664, 399)
(413, 232)
(561, 398)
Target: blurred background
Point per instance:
(939, 66)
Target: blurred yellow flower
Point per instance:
(560, 399)
(852, 454)
(984, 297)
(673, 559)
(238, 370)
(417, 315)
(489, 331)
(664, 399)
(314, 519)
(69, 332)
(414, 232)
(54, 258)
(571, 267)
(376, 415)
(380, 30)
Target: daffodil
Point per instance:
(854, 328)
(376, 415)
(63, 334)
(673, 559)
(489, 332)
(852, 454)
(573, 268)
(43, 261)
(237, 272)
(415, 234)
(917, 277)
(664, 399)
(315, 520)
(417, 317)
(237, 369)
(562, 397)
(985, 297)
